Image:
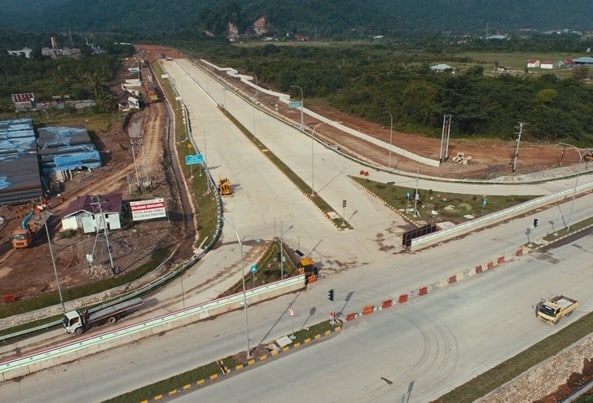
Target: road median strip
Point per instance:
(219, 369)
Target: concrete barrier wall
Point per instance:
(496, 217)
(85, 346)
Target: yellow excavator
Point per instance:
(224, 186)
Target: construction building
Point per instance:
(30, 161)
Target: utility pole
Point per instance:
(416, 194)
(518, 141)
(98, 202)
(132, 143)
(144, 161)
(390, 135)
(281, 252)
(445, 134)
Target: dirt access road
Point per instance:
(29, 272)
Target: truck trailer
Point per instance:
(78, 321)
(553, 309)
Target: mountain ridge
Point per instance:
(330, 18)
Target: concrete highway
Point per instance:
(435, 343)
(438, 341)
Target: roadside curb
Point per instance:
(395, 210)
(251, 363)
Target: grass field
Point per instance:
(438, 206)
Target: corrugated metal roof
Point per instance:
(585, 59)
(111, 203)
(24, 97)
(25, 157)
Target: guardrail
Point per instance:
(70, 351)
(496, 217)
(125, 288)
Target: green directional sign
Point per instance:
(294, 104)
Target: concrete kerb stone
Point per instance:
(261, 359)
(398, 212)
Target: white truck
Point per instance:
(553, 309)
(77, 322)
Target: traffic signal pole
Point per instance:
(331, 297)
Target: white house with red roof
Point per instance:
(547, 64)
(85, 213)
(533, 63)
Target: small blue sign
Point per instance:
(194, 159)
(254, 268)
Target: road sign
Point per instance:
(194, 159)
(254, 268)
(294, 104)
(291, 311)
(484, 202)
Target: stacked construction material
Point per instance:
(65, 149)
(19, 163)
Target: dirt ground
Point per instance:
(29, 272)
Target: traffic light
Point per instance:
(330, 294)
(344, 203)
(535, 221)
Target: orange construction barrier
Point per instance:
(387, 303)
(369, 309)
(403, 298)
(423, 291)
(519, 252)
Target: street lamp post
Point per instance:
(243, 282)
(302, 99)
(390, 135)
(574, 193)
(254, 107)
(313, 157)
(224, 90)
(53, 261)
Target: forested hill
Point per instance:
(328, 18)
